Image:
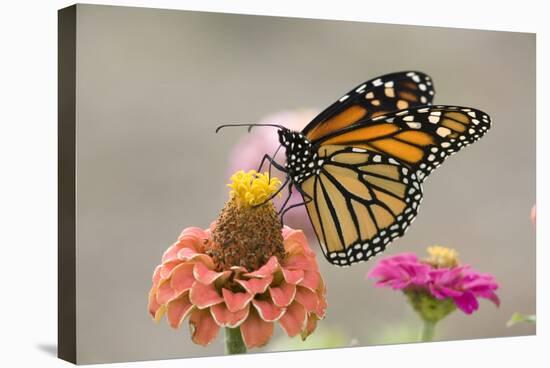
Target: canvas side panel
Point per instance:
(66, 337)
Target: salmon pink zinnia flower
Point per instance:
(245, 272)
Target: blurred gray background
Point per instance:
(152, 85)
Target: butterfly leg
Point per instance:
(294, 206)
(276, 193)
(278, 167)
(266, 157)
(286, 200)
(272, 162)
(307, 199)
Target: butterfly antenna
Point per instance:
(250, 126)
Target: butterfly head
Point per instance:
(291, 139)
(285, 136)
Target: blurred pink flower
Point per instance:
(289, 292)
(464, 286)
(459, 283)
(400, 271)
(249, 151)
(534, 214)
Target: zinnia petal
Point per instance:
(294, 320)
(321, 308)
(178, 309)
(193, 237)
(153, 306)
(268, 312)
(466, 302)
(166, 269)
(480, 284)
(286, 231)
(256, 286)
(171, 254)
(255, 331)
(204, 295)
(283, 294)
(400, 271)
(307, 298)
(203, 327)
(310, 280)
(225, 318)
(310, 326)
(322, 305)
(492, 296)
(293, 277)
(441, 292)
(187, 254)
(299, 262)
(205, 275)
(160, 312)
(156, 275)
(182, 278)
(295, 242)
(165, 292)
(236, 301)
(266, 270)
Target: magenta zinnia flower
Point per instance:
(435, 286)
(440, 276)
(463, 285)
(246, 272)
(400, 272)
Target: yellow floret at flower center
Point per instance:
(442, 256)
(252, 188)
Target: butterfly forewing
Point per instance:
(361, 200)
(421, 138)
(373, 98)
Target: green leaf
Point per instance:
(521, 318)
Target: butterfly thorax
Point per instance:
(301, 157)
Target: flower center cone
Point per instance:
(246, 236)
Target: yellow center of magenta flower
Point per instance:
(252, 188)
(442, 256)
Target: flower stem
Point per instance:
(234, 343)
(428, 328)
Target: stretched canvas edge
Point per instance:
(66, 283)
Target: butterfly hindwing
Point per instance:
(360, 201)
(395, 91)
(421, 138)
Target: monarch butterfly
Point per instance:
(359, 165)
